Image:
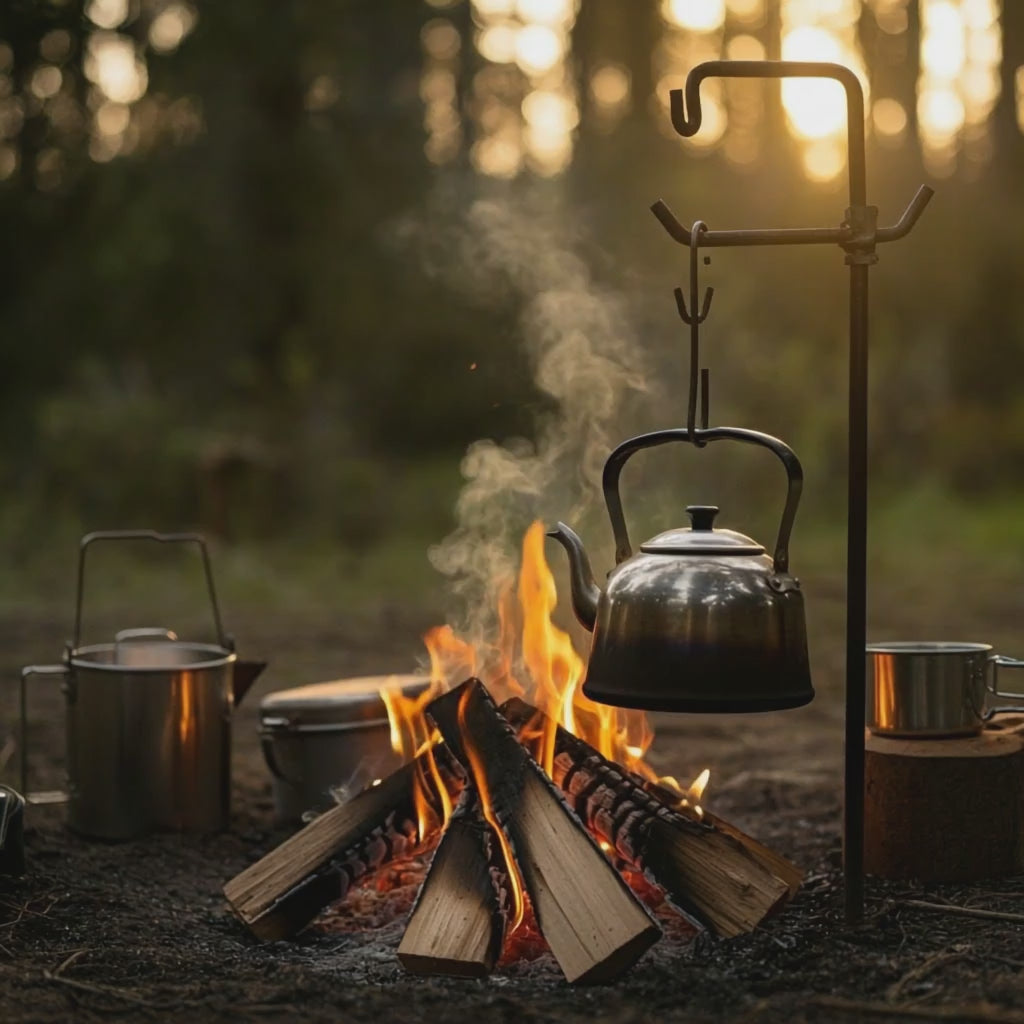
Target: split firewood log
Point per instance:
(281, 893)
(594, 925)
(707, 871)
(457, 925)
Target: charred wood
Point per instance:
(457, 925)
(281, 893)
(707, 872)
(594, 925)
(774, 862)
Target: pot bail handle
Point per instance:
(223, 639)
(621, 455)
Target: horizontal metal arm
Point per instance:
(909, 219)
(791, 236)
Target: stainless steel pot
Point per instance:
(933, 689)
(148, 722)
(329, 737)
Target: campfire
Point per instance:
(540, 807)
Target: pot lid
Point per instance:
(700, 538)
(339, 702)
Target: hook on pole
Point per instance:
(690, 316)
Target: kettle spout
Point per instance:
(585, 592)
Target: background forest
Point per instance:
(272, 267)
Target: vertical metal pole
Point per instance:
(856, 597)
(858, 237)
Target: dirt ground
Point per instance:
(140, 931)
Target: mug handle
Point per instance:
(49, 796)
(998, 661)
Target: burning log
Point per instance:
(774, 862)
(708, 872)
(594, 925)
(281, 893)
(457, 926)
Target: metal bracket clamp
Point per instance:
(862, 224)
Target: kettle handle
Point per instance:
(619, 457)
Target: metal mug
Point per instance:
(931, 689)
(148, 721)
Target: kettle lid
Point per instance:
(700, 538)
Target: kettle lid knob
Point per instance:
(702, 517)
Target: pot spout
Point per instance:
(246, 673)
(585, 592)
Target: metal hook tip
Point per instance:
(705, 309)
(681, 305)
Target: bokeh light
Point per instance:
(46, 81)
(816, 107)
(441, 39)
(695, 15)
(750, 13)
(538, 49)
(609, 86)
(889, 118)
(115, 67)
(824, 160)
(107, 13)
(171, 26)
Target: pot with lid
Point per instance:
(148, 721)
(328, 737)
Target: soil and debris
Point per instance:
(140, 930)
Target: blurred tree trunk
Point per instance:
(1009, 132)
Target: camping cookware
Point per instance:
(699, 619)
(148, 720)
(933, 689)
(329, 737)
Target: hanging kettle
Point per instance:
(699, 619)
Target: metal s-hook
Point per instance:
(694, 319)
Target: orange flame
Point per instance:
(532, 658)
(487, 807)
(688, 797)
(411, 736)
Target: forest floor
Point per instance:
(140, 930)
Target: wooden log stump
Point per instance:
(946, 810)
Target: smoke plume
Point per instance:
(583, 354)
